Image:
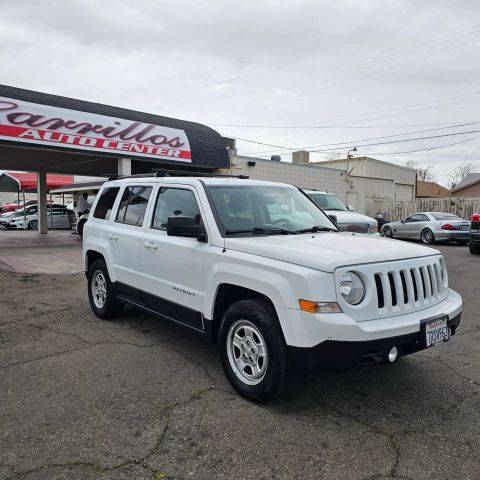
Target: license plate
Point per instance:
(465, 227)
(436, 331)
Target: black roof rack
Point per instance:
(157, 172)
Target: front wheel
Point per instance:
(253, 351)
(427, 236)
(101, 292)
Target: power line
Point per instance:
(431, 137)
(427, 149)
(369, 64)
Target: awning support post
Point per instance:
(42, 201)
(124, 166)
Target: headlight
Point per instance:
(352, 288)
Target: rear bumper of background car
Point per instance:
(452, 235)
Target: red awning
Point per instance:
(14, 181)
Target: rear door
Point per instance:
(172, 267)
(124, 237)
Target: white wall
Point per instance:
(304, 176)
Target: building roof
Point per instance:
(470, 179)
(431, 190)
(369, 159)
(207, 147)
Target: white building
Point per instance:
(370, 179)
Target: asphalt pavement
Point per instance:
(139, 398)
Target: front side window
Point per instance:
(172, 202)
(328, 201)
(103, 210)
(133, 205)
(265, 209)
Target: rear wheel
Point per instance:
(387, 232)
(101, 293)
(33, 225)
(253, 351)
(462, 242)
(427, 236)
(475, 249)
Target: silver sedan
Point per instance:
(429, 227)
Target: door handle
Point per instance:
(112, 236)
(152, 245)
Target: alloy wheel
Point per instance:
(99, 289)
(247, 352)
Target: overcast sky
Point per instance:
(367, 68)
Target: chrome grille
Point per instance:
(354, 227)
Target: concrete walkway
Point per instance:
(58, 252)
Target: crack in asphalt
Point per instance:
(139, 461)
(453, 370)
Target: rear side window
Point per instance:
(172, 202)
(103, 210)
(133, 205)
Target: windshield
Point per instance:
(328, 201)
(258, 209)
(445, 216)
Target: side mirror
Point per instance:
(402, 221)
(181, 226)
(350, 208)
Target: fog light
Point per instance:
(392, 354)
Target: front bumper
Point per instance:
(342, 355)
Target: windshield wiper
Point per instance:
(316, 229)
(261, 231)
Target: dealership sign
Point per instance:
(59, 127)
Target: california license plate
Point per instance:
(436, 331)
(465, 227)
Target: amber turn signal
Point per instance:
(319, 307)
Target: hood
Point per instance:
(351, 217)
(328, 250)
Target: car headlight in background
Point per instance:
(352, 288)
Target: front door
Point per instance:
(172, 267)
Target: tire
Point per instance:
(80, 228)
(462, 242)
(427, 237)
(103, 299)
(387, 232)
(272, 373)
(32, 225)
(474, 249)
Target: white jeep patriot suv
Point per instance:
(260, 268)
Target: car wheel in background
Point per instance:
(427, 236)
(387, 232)
(475, 249)
(33, 225)
(253, 351)
(80, 228)
(462, 242)
(101, 293)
